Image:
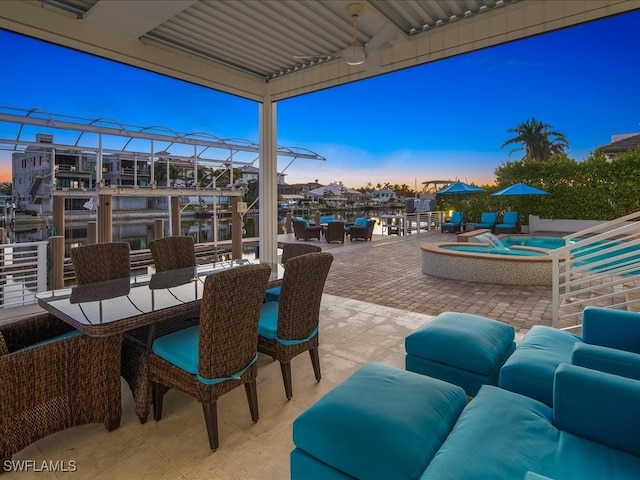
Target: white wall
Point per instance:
(537, 224)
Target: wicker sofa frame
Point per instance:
(49, 386)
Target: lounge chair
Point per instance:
(362, 232)
(454, 224)
(488, 220)
(334, 232)
(510, 223)
(304, 231)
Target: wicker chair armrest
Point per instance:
(20, 332)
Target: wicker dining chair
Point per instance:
(100, 262)
(168, 253)
(218, 355)
(289, 250)
(290, 326)
(53, 378)
(171, 253)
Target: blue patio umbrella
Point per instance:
(519, 189)
(459, 188)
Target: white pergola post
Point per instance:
(268, 182)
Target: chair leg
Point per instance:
(211, 419)
(112, 424)
(158, 391)
(286, 377)
(252, 398)
(315, 361)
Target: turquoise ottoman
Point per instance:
(380, 423)
(460, 348)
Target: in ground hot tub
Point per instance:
(480, 263)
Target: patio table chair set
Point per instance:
(52, 377)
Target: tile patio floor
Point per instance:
(375, 295)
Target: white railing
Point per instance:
(599, 265)
(23, 272)
(422, 222)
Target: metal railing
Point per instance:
(23, 268)
(597, 266)
(422, 221)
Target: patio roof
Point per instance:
(282, 48)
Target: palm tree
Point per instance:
(538, 140)
(6, 189)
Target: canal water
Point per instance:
(139, 231)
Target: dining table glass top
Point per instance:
(117, 305)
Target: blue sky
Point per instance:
(446, 119)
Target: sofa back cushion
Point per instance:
(598, 406)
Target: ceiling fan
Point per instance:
(357, 54)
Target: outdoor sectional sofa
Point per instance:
(384, 422)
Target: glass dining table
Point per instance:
(112, 307)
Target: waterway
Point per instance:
(139, 231)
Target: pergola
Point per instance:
(274, 50)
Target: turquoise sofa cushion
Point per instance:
(611, 328)
(505, 435)
(499, 435)
(381, 423)
(599, 407)
(609, 360)
(530, 370)
(462, 340)
(305, 467)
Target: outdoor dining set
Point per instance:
(197, 328)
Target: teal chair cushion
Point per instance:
(361, 222)
(304, 221)
(487, 220)
(69, 334)
(509, 219)
(272, 294)
(456, 218)
(180, 349)
(326, 219)
(268, 323)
